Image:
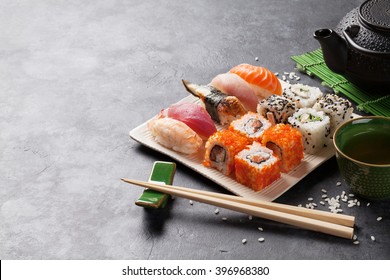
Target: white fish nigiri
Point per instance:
(175, 135)
(193, 115)
(232, 84)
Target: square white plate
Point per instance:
(142, 135)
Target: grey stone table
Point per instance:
(77, 76)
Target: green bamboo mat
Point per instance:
(312, 63)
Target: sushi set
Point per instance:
(248, 131)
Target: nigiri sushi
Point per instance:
(262, 80)
(222, 108)
(193, 115)
(175, 135)
(232, 84)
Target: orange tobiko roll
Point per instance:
(257, 167)
(221, 147)
(286, 142)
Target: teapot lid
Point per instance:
(375, 14)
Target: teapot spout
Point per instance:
(334, 49)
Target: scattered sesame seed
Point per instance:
(324, 196)
(379, 219)
(356, 242)
(260, 228)
(276, 74)
(191, 202)
(299, 205)
(372, 238)
(322, 203)
(243, 241)
(216, 211)
(368, 204)
(250, 218)
(224, 219)
(324, 191)
(310, 199)
(261, 239)
(354, 237)
(338, 184)
(256, 58)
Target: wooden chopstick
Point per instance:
(292, 215)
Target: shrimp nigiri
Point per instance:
(175, 135)
(262, 80)
(232, 84)
(193, 115)
(222, 108)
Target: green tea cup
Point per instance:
(363, 155)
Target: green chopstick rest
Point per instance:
(162, 172)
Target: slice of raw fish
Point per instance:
(193, 115)
(262, 80)
(232, 84)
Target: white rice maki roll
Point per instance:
(276, 109)
(339, 110)
(314, 127)
(303, 96)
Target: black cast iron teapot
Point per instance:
(359, 47)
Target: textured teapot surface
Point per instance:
(359, 47)
(373, 18)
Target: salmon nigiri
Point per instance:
(232, 84)
(193, 115)
(262, 80)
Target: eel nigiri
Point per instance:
(232, 84)
(193, 115)
(175, 135)
(222, 108)
(262, 80)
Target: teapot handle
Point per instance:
(355, 29)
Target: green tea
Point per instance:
(369, 147)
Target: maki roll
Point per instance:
(314, 126)
(339, 109)
(286, 142)
(303, 96)
(221, 147)
(251, 125)
(256, 166)
(276, 108)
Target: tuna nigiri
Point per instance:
(193, 115)
(262, 80)
(232, 84)
(175, 135)
(222, 108)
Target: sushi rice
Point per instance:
(280, 108)
(314, 126)
(303, 96)
(338, 108)
(251, 125)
